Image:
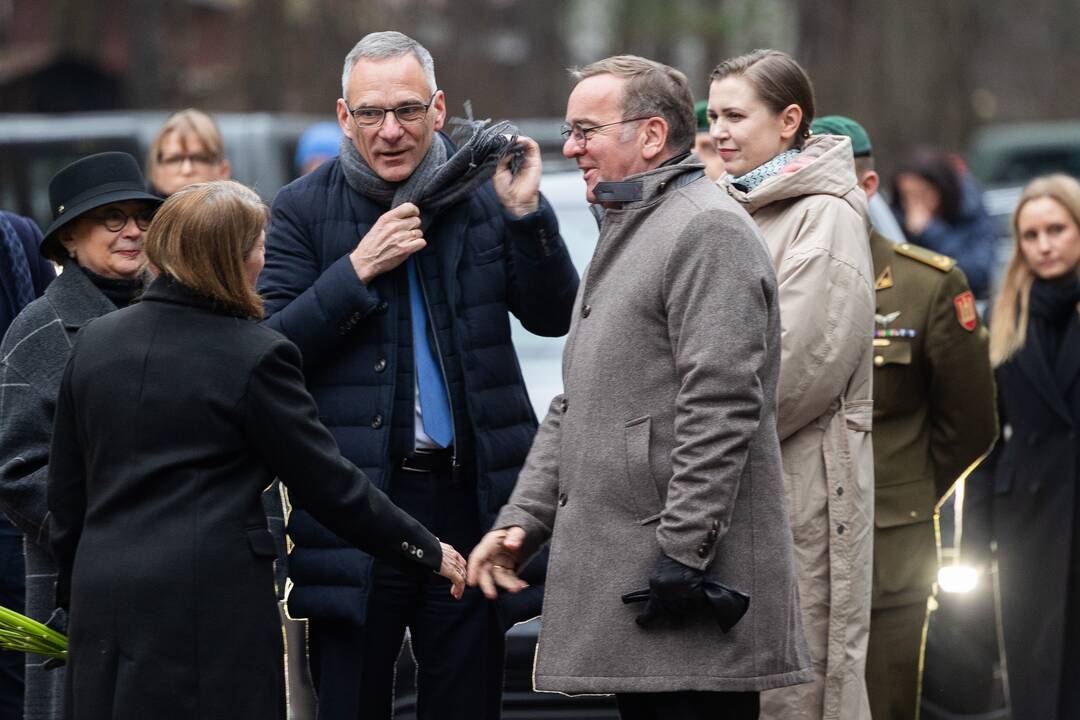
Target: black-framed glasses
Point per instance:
(373, 117)
(114, 219)
(581, 134)
(175, 161)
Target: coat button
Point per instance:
(404, 547)
(840, 491)
(376, 422)
(879, 360)
(840, 529)
(564, 405)
(419, 553)
(703, 551)
(711, 535)
(382, 307)
(380, 364)
(586, 310)
(562, 499)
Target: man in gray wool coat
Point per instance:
(656, 475)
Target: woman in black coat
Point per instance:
(173, 415)
(1035, 348)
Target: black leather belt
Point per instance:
(429, 460)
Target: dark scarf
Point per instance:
(1052, 304)
(120, 291)
(440, 180)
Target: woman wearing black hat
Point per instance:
(100, 212)
(172, 416)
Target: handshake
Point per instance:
(675, 591)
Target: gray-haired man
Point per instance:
(393, 267)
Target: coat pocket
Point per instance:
(906, 503)
(642, 486)
(262, 543)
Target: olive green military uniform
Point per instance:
(934, 416)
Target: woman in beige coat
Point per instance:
(803, 194)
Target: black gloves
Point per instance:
(678, 591)
(674, 591)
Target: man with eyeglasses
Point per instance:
(400, 309)
(656, 476)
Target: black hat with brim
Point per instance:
(89, 183)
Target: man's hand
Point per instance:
(391, 240)
(675, 590)
(453, 569)
(493, 560)
(520, 194)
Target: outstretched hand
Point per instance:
(520, 193)
(453, 569)
(493, 561)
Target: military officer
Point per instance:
(934, 419)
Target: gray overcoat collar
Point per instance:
(654, 183)
(75, 298)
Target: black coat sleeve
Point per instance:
(66, 489)
(282, 423)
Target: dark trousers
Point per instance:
(689, 706)
(12, 596)
(458, 644)
(894, 660)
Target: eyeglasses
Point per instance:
(373, 117)
(175, 161)
(581, 134)
(115, 219)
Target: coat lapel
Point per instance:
(1032, 361)
(75, 299)
(1068, 361)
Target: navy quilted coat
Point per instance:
(490, 263)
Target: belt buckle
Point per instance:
(410, 468)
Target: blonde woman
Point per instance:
(1031, 485)
(187, 149)
(172, 417)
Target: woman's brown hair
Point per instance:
(1008, 323)
(778, 80)
(201, 236)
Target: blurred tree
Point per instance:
(914, 72)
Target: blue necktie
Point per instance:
(434, 401)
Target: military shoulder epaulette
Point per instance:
(944, 263)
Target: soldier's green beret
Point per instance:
(701, 110)
(840, 125)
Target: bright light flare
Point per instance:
(957, 578)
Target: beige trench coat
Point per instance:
(816, 227)
(665, 438)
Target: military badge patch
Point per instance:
(965, 311)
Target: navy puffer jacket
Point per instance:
(490, 263)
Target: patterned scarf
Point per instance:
(763, 172)
(20, 289)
